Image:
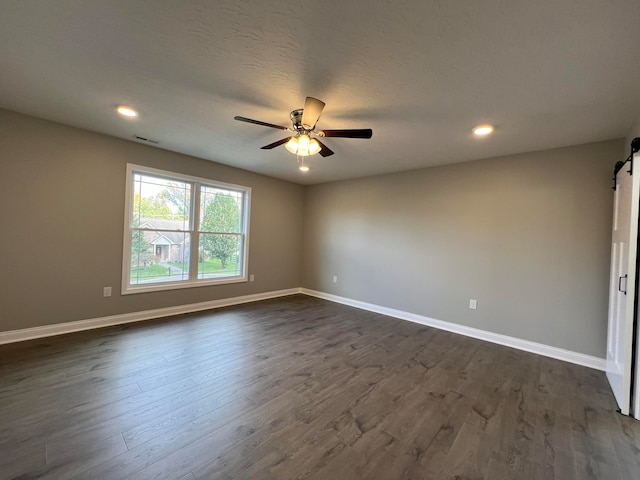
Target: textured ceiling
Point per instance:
(420, 73)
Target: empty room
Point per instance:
(332, 240)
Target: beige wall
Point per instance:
(528, 236)
(61, 224)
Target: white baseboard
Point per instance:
(80, 325)
(69, 327)
(527, 346)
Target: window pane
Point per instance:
(160, 203)
(219, 255)
(220, 210)
(159, 256)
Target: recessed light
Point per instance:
(482, 130)
(126, 111)
(303, 168)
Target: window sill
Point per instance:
(161, 287)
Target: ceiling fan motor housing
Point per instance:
(296, 119)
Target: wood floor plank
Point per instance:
(554, 446)
(626, 446)
(14, 457)
(298, 387)
(463, 460)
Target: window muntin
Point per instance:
(182, 231)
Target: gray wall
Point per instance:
(527, 235)
(61, 224)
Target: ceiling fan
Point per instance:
(303, 142)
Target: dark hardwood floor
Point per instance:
(298, 387)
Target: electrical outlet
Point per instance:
(335, 279)
(473, 304)
(106, 292)
(251, 278)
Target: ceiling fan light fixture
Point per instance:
(292, 145)
(303, 142)
(314, 146)
(302, 145)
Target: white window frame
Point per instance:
(194, 219)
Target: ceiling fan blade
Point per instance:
(324, 150)
(354, 133)
(311, 113)
(276, 144)
(258, 122)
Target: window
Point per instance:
(182, 231)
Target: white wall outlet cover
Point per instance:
(335, 279)
(473, 304)
(106, 291)
(251, 278)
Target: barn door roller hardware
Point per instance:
(635, 147)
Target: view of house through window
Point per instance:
(183, 231)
